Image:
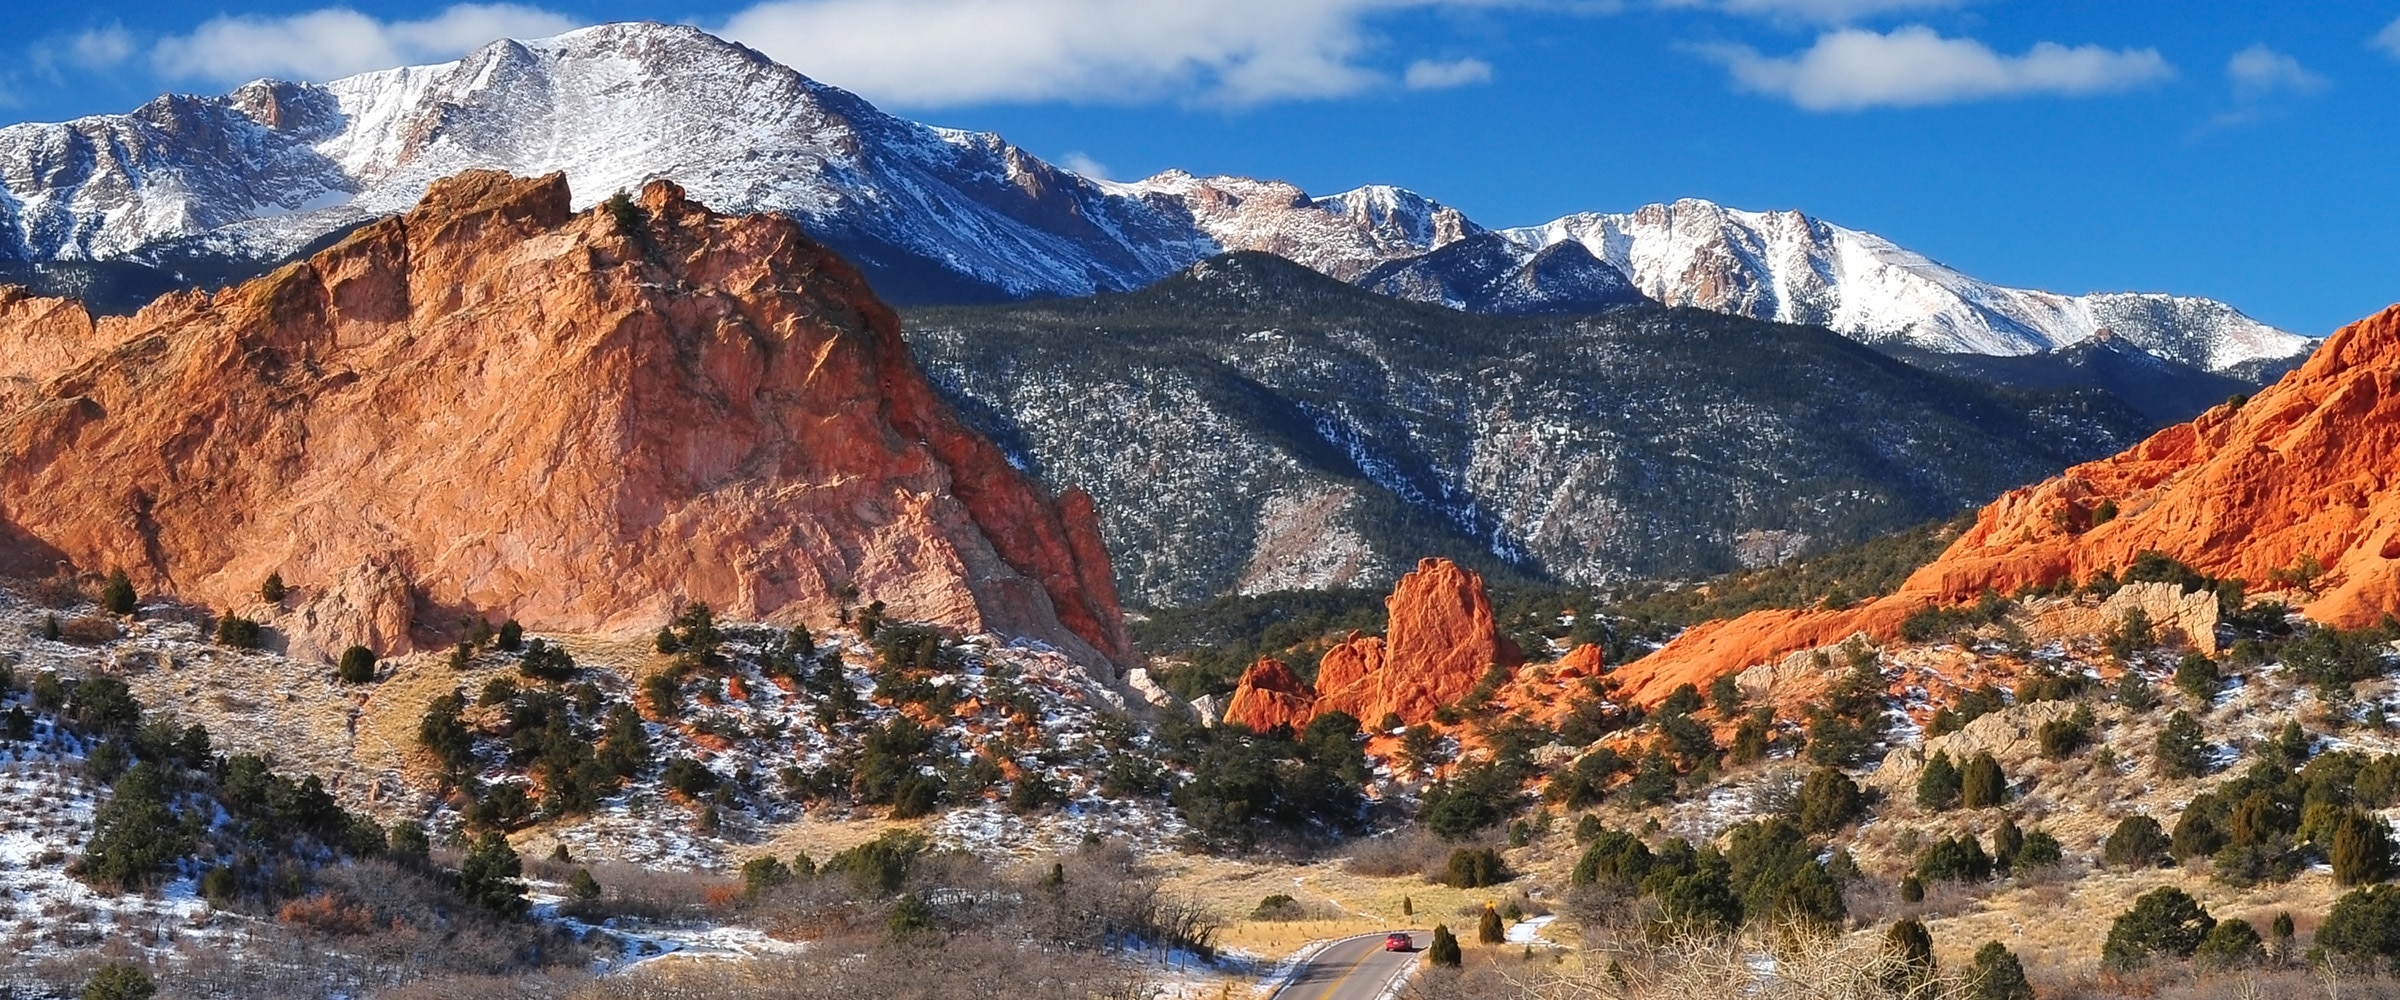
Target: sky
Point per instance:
(2248, 152)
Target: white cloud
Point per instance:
(1425, 74)
(337, 41)
(100, 48)
(1914, 66)
(2258, 71)
(950, 52)
(2388, 39)
(1077, 161)
(1815, 11)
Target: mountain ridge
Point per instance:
(933, 214)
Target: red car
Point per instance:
(1398, 942)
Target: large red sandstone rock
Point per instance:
(495, 406)
(2309, 467)
(1440, 642)
(1270, 695)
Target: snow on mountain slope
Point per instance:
(1343, 235)
(1789, 267)
(938, 214)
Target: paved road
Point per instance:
(1352, 969)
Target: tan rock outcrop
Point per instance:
(515, 410)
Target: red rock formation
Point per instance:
(1580, 662)
(510, 409)
(1269, 695)
(2308, 469)
(1442, 641)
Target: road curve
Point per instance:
(1351, 969)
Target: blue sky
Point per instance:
(2248, 152)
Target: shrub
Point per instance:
(2163, 921)
(688, 777)
(1616, 859)
(2196, 676)
(1444, 951)
(1911, 947)
(239, 632)
(118, 981)
(272, 591)
(2060, 738)
(2361, 849)
(2133, 692)
(2132, 635)
(663, 693)
(116, 596)
(1981, 784)
(1912, 888)
(2137, 842)
(1954, 859)
(1995, 974)
(1828, 801)
(2180, 751)
(357, 666)
(763, 874)
(511, 637)
(1938, 783)
(2233, 943)
(1488, 930)
(582, 886)
(1475, 868)
(2364, 925)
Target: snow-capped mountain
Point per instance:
(1789, 267)
(945, 215)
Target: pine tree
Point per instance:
(2007, 843)
(1489, 930)
(1444, 951)
(1938, 783)
(1982, 784)
(2180, 752)
(1912, 888)
(272, 591)
(116, 596)
(1996, 974)
(583, 886)
(1828, 801)
(2361, 851)
(491, 876)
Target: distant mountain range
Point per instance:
(200, 190)
(1252, 425)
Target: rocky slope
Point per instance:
(200, 189)
(2291, 490)
(1252, 425)
(1439, 642)
(492, 405)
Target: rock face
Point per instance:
(1442, 641)
(492, 405)
(2306, 473)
